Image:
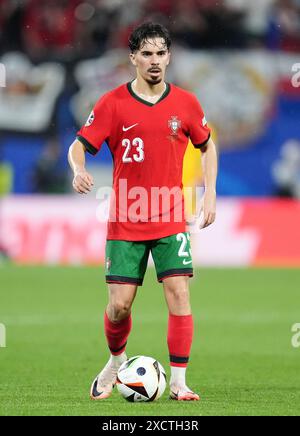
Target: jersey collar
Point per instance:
(141, 100)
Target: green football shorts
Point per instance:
(126, 261)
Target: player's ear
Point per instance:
(132, 58)
(169, 57)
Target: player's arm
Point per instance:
(210, 169)
(82, 181)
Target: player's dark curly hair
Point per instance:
(147, 31)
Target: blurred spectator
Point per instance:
(49, 28)
(284, 28)
(190, 25)
(11, 13)
(107, 26)
(49, 177)
(205, 24)
(127, 15)
(68, 30)
(161, 11)
(255, 18)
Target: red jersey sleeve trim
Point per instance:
(203, 143)
(89, 147)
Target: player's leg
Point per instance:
(117, 319)
(173, 262)
(117, 327)
(126, 264)
(180, 335)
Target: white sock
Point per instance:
(118, 360)
(177, 376)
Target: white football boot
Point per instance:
(183, 394)
(105, 381)
(179, 391)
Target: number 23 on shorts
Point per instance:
(184, 251)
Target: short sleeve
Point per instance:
(198, 128)
(97, 127)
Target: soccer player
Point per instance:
(147, 124)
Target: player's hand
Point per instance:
(208, 208)
(83, 182)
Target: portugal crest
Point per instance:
(174, 123)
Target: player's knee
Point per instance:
(119, 310)
(179, 294)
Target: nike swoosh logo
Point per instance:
(130, 127)
(186, 262)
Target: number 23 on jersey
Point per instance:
(138, 155)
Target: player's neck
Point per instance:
(148, 91)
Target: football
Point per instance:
(141, 378)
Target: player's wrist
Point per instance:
(79, 170)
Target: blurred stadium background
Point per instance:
(242, 59)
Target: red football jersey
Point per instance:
(148, 142)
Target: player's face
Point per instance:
(151, 60)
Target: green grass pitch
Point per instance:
(242, 360)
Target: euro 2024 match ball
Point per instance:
(141, 378)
